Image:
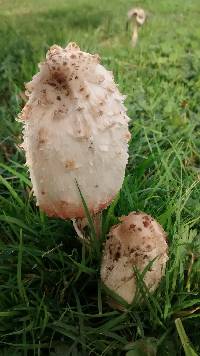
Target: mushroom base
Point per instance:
(63, 210)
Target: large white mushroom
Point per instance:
(75, 132)
(135, 242)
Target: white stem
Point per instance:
(81, 223)
(135, 35)
(78, 230)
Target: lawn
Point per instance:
(51, 298)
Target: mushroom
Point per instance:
(138, 16)
(75, 133)
(137, 242)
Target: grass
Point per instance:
(51, 298)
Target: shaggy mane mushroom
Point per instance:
(75, 131)
(137, 241)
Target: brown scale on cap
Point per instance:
(42, 136)
(70, 164)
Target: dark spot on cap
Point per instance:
(146, 217)
(110, 268)
(132, 227)
(58, 97)
(117, 256)
(41, 141)
(52, 84)
(146, 223)
(59, 77)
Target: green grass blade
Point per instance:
(12, 191)
(184, 339)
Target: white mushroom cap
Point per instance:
(137, 13)
(135, 242)
(75, 129)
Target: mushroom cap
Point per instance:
(75, 132)
(135, 242)
(137, 13)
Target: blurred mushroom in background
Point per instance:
(138, 17)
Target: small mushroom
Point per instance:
(135, 242)
(75, 133)
(138, 16)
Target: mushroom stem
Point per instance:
(78, 230)
(134, 35)
(80, 224)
